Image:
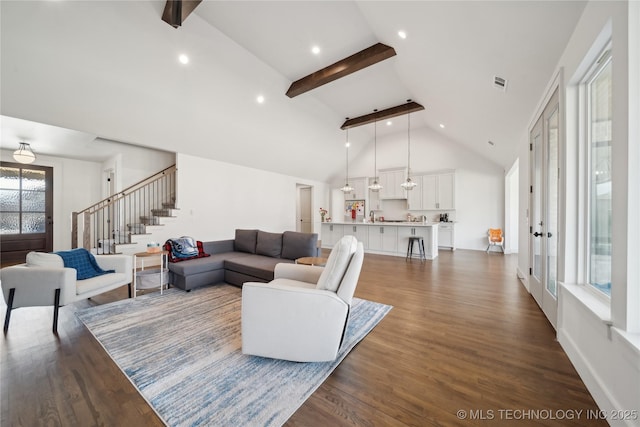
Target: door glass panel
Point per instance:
(9, 223)
(9, 178)
(33, 223)
(33, 201)
(33, 180)
(552, 202)
(537, 206)
(10, 200)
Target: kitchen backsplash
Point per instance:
(397, 210)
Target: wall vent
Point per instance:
(500, 83)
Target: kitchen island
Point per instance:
(384, 238)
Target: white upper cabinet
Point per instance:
(359, 189)
(390, 180)
(436, 192)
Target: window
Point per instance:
(22, 200)
(599, 115)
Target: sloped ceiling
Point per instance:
(111, 69)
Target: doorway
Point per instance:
(543, 225)
(304, 216)
(26, 211)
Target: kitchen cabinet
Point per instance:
(359, 189)
(383, 238)
(359, 231)
(331, 233)
(437, 192)
(374, 199)
(390, 180)
(446, 236)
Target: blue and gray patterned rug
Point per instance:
(182, 351)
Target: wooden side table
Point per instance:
(312, 260)
(147, 282)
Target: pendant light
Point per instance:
(375, 187)
(408, 184)
(24, 154)
(347, 188)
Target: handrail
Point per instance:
(126, 191)
(115, 219)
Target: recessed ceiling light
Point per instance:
(402, 34)
(260, 99)
(347, 144)
(315, 50)
(184, 59)
(441, 125)
(389, 123)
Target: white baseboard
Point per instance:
(524, 278)
(601, 394)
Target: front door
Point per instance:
(26, 210)
(543, 222)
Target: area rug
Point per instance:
(182, 351)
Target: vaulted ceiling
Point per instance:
(111, 69)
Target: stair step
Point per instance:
(137, 228)
(161, 212)
(168, 205)
(150, 220)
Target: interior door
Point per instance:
(305, 210)
(543, 224)
(26, 211)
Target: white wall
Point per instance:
(479, 187)
(601, 339)
(216, 198)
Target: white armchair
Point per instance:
(44, 281)
(302, 314)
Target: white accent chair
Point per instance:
(43, 280)
(302, 314)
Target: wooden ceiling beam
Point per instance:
(369, 56)
(377, 116)
(176, 11)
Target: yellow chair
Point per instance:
(495, 238)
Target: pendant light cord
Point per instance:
(409, 145)
(347, 151)
(375, 149)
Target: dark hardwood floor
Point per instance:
(464, 335)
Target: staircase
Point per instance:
(126, 221)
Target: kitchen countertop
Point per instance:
(399, 224)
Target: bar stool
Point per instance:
(420, 242)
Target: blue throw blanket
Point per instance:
(83, 262)
(184, 247)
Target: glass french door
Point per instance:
(543, 221)
(26, 211)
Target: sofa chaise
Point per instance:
(251, 257)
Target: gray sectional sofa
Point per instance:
(250, 257)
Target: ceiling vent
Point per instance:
(500, 83)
